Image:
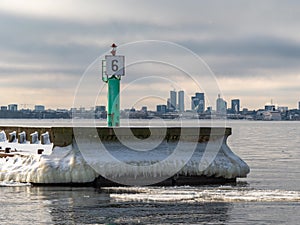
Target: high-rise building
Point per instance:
(168, 104)
(201, 105)
(221, 106)
(235, 106)
(181, 101)
(173, 100)
(194, 102)
(198, 102)
(299, 105)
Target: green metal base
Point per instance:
(113, 109)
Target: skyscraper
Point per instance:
(173, 100)
(221, 106)
(299, 105)
(198, 102)
(201, 105)
(168, 104)
(181, 101)
(235, 106)
(194, 102)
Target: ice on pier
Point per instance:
(73, 164)
(45, 138)
(154, 164)
(34, 138)
(63, 165)
(3, 136)
(22, 137)
(12, 136)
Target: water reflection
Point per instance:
(93, 206)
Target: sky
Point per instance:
(250, 48)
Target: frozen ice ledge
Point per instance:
(104, 156)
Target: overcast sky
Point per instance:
(251, 47)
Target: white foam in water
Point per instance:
(13, 184)
(217, 194)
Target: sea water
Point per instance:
(269, 195)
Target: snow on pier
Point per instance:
(129, 156)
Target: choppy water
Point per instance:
(270, 194)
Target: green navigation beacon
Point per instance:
(112, 71)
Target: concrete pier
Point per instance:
(63, 136)
(223, 167)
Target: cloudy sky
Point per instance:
(251, 47)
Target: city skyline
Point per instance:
(166, 111)
(46, 48)
(198, 105)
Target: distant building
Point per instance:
(161, 109)
(72, 110)
(198, 102)
(13, 107)
(181, 101)
(245, 111)
(168, 104)
(100, 108)
(209, 110)
(3, 108)
(282, 108)
(173, 100)
(299, 105)
(270, 107)
(221, 106)
(144, 109)
(275, 115)
(39, 108)
(100, 111)
(194, 103)
(235, 106)
(201, 106)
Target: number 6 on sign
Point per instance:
(114, 65)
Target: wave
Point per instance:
(200, 194)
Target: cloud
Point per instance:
(256, 91)
(57, 41)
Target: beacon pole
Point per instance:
(112, 70)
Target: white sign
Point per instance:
(115, 65)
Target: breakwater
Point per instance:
(128, 156)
